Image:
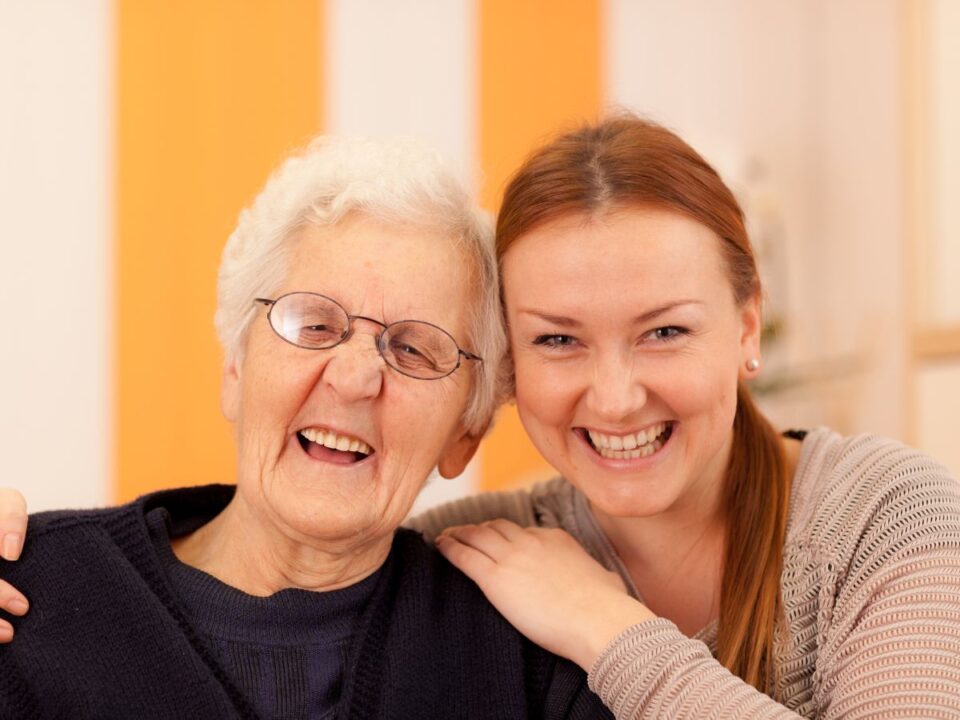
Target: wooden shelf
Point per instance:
(938, 343)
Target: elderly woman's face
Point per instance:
(281, 395)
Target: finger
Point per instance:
(510, 530)
(12, 600)
(13, 523)
(6, 631)
(480, 537)
(470, 561)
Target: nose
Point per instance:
(615, 390)
(354, 369)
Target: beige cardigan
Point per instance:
(870, 586)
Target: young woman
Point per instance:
(766, 574)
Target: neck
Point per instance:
(675, 563)
(665, 543)
(245, 550)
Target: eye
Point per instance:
(410, 356)
(400, 348)
(555, 341)
(667, 333)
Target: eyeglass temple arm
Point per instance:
(264, 301)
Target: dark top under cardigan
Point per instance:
(106, 636)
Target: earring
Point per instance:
(753, 364)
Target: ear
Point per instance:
(230, 391)
(459, 450)
(751, 325)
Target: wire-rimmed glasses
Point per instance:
(414, 348)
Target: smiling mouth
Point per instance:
(631, 446)
(333, 447)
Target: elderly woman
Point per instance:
(357, 306)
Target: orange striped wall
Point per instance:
(540, 69)
(209, 96)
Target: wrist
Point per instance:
(609, 621)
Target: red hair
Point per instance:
(625, 161)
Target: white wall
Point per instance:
(945, 134)
(55, 201)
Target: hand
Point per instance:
(13, 529)
(545, 585)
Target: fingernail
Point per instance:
(18, 606)
(11, 546)
(6, 632)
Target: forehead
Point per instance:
(636, 255)
(383, 269)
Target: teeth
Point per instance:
(332, 440)
(639, 452)
(636, 445)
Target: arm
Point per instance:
(13, 530)
(891, 649)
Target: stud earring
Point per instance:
(753, 364)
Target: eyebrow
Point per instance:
(564, 321)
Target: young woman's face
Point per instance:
(628, 344)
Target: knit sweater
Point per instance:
(870, 588)
(108, 638)
(286, 652)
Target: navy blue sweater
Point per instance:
(107, 637)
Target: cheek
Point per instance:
(545, 393)
(274, 392)
(710, 393)
(417, 419)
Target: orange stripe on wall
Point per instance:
(540, 71)
(210, 95)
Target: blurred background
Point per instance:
(132, 132)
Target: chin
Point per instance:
(626, 500)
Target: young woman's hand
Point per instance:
(13, 529)
(545, 585)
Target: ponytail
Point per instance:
(756, 496)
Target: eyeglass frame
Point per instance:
(348, 333)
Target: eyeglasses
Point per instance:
(415, 348)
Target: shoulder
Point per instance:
(82, 537)
(849, 492)
(58, 526)
(535, 505)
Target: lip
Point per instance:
(338, 431)
(298, 439)
(634, 464)
(620, 432)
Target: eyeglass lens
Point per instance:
(315, 322)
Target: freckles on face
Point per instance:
(627, 343)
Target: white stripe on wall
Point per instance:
(407, 68)
(56, 195)
(945, 69)
(404, 68)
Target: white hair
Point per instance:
(399, 182)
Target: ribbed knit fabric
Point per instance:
(285, 653)
(870, 587)
(107, 636)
